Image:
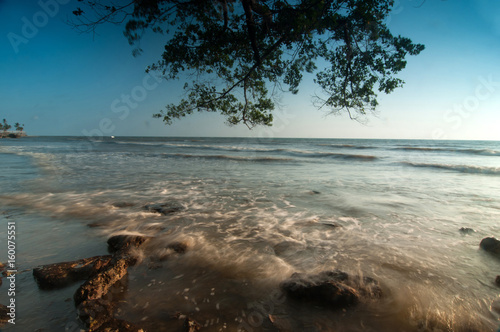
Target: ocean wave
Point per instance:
(485, 152)
(225, 157)
(459, 168)
(348, 146)
(309, 154)
(231, 148)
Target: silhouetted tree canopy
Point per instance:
(236, 56)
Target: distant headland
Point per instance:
(12, 134)
(5, 133)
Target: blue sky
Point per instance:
(59, 82)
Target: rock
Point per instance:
(124, 242)
(288, 248)
(118, 325)
(95, 224)
(165, 208)
(99, 284)
(171, 249)
(95, 313)
(491, 245)
(123, 204)
(178, 247)
(334, 289)
(4, 318)
(190, 325)
(62, 274)
(466, 230)
(497, 280)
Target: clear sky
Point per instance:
(59, 82)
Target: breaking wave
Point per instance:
(484, 152)
(471, 169)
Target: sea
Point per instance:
(252, 212)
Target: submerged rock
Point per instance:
(62, 274)
(171, 249)
(124, 242)
(491, 245)
(165, 208)
(466, 230)
(335, 289)
(288, 248)
(178, 247)
(123, 204)
(497, 280)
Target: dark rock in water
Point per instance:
(497, 280)
(62, 274)
(4, 318)
(314, 192)
(288, 248)
(124, 242)
(178, 247)
(190, 325)
(165, 208)
(332, 224)
(95, 313)
(491, 245)
(99, 284)
(169, 250)
(95, 224)
(466, 230)
(118, 325)
(123, 204)
(334, 289)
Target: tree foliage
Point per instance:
(5, 126)
(236, 56)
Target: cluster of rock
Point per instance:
(96, 304)
(334, 289)
(101, 274)
(96, 299)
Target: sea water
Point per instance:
(256, 211)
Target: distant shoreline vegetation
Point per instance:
(5, 127)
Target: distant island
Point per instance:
(5, 133)
(12, 134)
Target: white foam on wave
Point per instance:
(472, 169)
